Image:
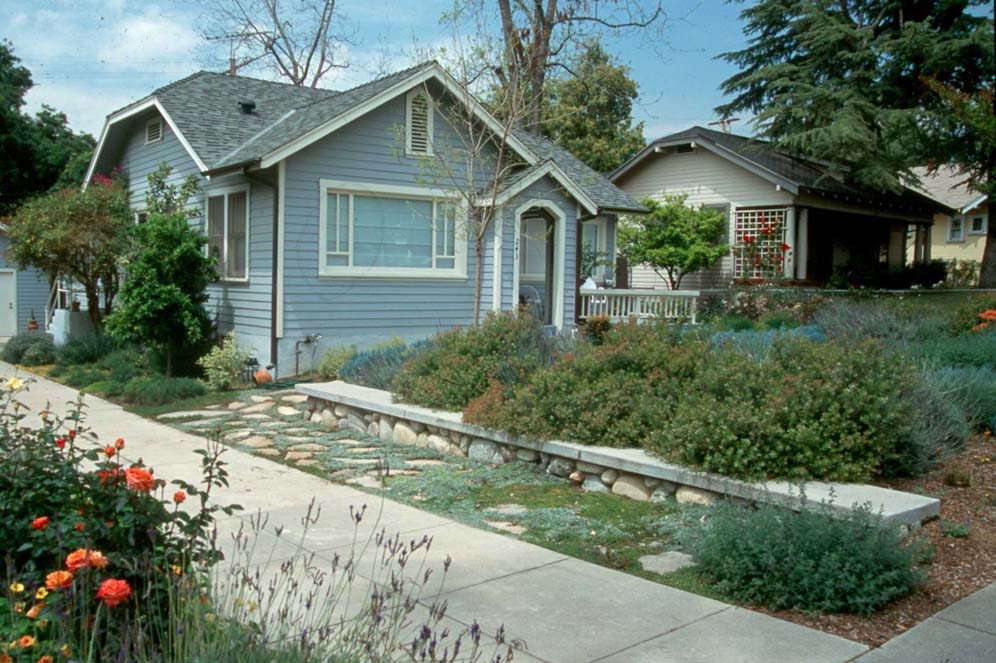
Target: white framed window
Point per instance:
(978, 225)
(533, 242)
(141, 218)
(594, 238)
(418, 123)
(227, 221)
(761, 235)
(154, 131)
(390, 231)
(956, 230)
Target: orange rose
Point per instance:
(119, 443)
(179, 496)
(26, 641)
(34, 611)
(40, 523)
(139, 478)
(6, 659)
(58, 579)
(45, 659)
(113, 591)
(109, 451)
(82, 558)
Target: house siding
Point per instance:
(32, 291)
(240, 307)
(364, 311)
(706, 179)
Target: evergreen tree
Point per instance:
(591, 113)
(844, 80)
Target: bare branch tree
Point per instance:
(539, 36)
(470, 158)
(300, 40)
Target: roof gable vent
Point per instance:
(153, 131)
(419, 124)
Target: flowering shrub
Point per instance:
(224, 365)
(92, 533)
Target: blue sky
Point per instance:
(89, 57)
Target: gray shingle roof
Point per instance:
(604, 193)
(803, 173)
(205, 108)
(947, 186)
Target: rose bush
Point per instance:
(89, 533)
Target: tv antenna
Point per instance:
(724, 123)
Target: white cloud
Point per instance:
(151, 37)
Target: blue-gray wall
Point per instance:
(242, 307)
(32, 291)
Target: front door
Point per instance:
(8, 305)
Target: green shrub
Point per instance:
(334, 359)
(17, 346)
(967, 349)
(613, 394)
(596, 327)
(829, 410)
(161, 390)
(79, 377)
(734, 322)
(807, 560)
(966, 316)
(224, 366)
(460, 363)
(87, 349)
(780, 319)
(39, 354)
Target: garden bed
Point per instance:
(628, 472)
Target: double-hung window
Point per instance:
(228, 231)
(956, 230)
(368, 231)
(978, 225)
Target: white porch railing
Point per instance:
(621, 305)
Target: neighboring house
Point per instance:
(327, 219)
(828, 225)
(23, 293)
(961, 235)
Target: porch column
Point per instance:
(788, 268)
(801, 248)
(926, 242)
(917, 244)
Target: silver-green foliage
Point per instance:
(225, 364)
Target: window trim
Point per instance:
(158, 121)
(226, 191)
(457, 272)
(961, 233)
(429, 124)
(137, 215)
(985, 224)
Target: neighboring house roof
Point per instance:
(946, 185)
(797, 175)
(202, 110)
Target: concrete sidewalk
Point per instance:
(566, 610)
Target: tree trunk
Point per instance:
(93, 305)
(987, 274)
(478, 273)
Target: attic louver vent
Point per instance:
(419, 123)
(154, 131)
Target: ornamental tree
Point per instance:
(161, 303)
(673, 239)
(77, 235)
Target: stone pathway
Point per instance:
(564, 609)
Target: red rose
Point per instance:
(80, 527)
(785, 247)
(179, 496)
(119, 443)
(139, 478)
(61, 443)
(113, 591)
(40, 522)
(109, 451)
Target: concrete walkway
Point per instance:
(565, 610)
